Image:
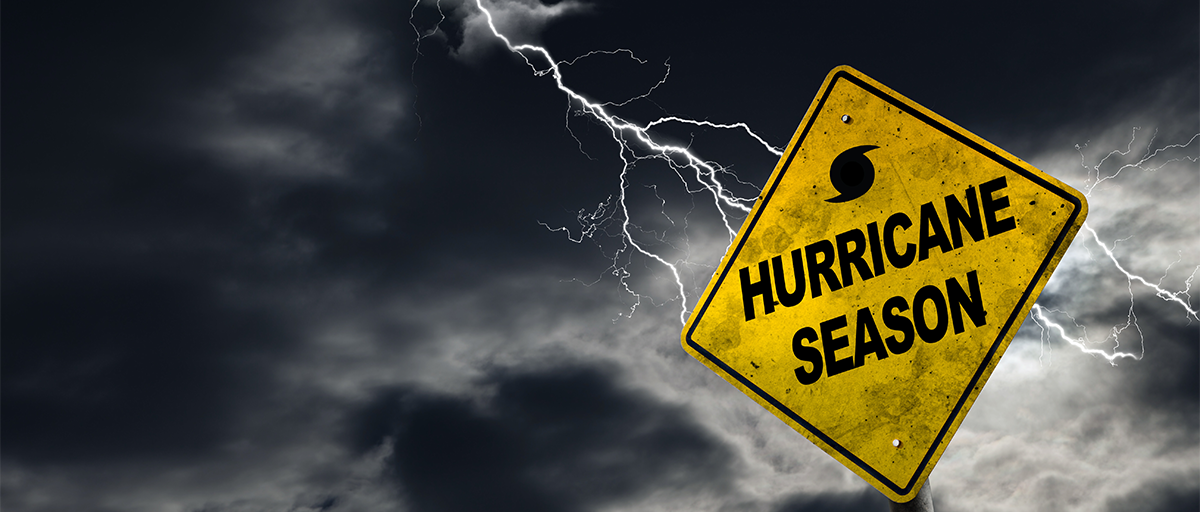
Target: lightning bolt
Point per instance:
(636, 143)
(1153, 160)
(611, 218)
(421, 36)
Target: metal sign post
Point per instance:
(922, 502)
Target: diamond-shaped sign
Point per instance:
(883, 272)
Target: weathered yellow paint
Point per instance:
(920, 396)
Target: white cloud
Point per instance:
(522, 21)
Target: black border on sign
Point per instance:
(956, 135)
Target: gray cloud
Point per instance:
(305, 103)
(1175, 493)
(522, 21)
(865, 499)
(562, 439)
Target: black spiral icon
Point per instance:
(852, 174)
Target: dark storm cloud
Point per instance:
(867, 499)
(1165, 382)
(1176, 493)
(1011, 75)
(125, 366)
(549, 440)
(143, 268)
(224, 224)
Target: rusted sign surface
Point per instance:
(881, 275)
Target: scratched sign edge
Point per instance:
(997, 347)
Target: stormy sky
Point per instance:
(358, 256)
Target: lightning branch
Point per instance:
(611, 218)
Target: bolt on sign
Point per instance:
(880, 276)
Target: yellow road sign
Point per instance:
(879, 278)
